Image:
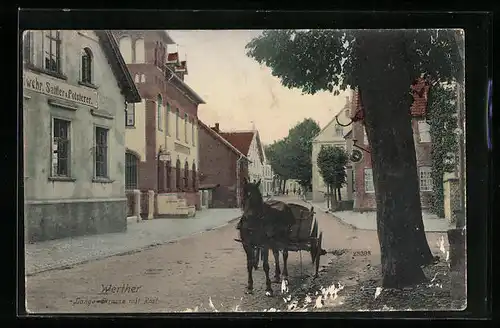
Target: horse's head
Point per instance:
(252, 198)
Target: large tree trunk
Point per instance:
(333, 197)
(339, 194)
(327, 196)
(384, 83)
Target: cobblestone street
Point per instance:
(206, 270)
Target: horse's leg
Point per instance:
(250, 254)
(265, 266)
(277, 270)
(256, 258)
(285, 266)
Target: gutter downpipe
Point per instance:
(238, 191)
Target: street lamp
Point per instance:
(163, 156)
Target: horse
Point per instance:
(263, 225)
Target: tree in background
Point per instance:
(276, 153)
(300, 139)
(332, 162)
(382, 64)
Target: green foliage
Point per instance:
(327, 60)
(332, 163)
(442, 118)
(290, 157)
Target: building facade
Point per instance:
(248, 143)
(268, 182)
(364, 188)
(75, 91)
(161, 131)
(332, 134)
(222, 169)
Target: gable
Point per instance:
(329, 132)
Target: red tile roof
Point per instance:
(220, 138)
(419, 92)
(240, 140)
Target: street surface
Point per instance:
(203, 272)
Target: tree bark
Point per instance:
(339, 194)
(384, 83)
(327, 196)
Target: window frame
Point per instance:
(159, 112)
(368, 182)
(86, 73)
(177, 116)
(28, 47)
(425, 170)
(193, 142)
(57, 51)
(130, 112)
(98, 175)
(167, 118)
(131, 171)
(56, 175)
(186, 121)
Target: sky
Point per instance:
(238, 91)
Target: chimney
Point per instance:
(216, 128)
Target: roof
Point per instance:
(118, 66)
(220, 138)
(240, 140)
(181, 85)
(419, 92)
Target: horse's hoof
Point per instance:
(269, 293)
(249, 291)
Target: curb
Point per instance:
(128, 252)
(365, 229)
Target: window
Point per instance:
(339, 131)
(61, 148)
(178, 175)
(130, 115)
(365, 137)
(28, 47)
(425, 177)
(194, 176)
(139, 51)
(159, 112)
(186, 118)
(167, 120)
(136, 78)
(126, 49)
(51, 48)
(131, 175)
(143, 78)
(193, 133)
(87, 66)
(101, 152)
(369, 188)
(186, 175)
(424, 131)
(177, 124)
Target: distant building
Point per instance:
(162, 130)
(222, 169)
(75, 91)
(248, 143)
(364, 188)
(332, 134)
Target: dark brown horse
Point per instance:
(264, 226)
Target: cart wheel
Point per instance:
(318, 254)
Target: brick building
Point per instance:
(364, 189)
(222, 168)
(162, 131)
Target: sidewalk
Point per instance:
(367, 220)
(53, 254)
